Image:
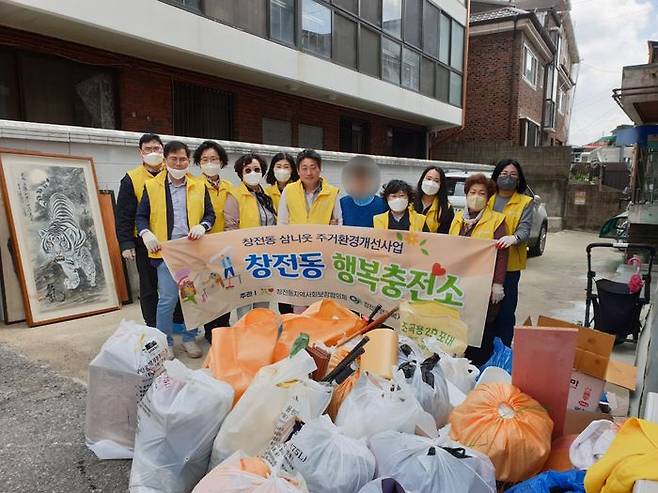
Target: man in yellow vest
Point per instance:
(174, 205)
(311, 200)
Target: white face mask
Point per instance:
(252, 179)
(153, 158)
(211, 169)
(282, 175)
(398, 204)
(177, 173)
(430, 187)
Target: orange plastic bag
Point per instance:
(512, 428)
(324, 321)
(238, 352)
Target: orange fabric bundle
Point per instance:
(324, 321)
(343, 389)
(512, 428)
(238, 352)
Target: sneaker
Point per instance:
(192, 349)
(170, 353)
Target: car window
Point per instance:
(455, 186)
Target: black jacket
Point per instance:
(126, 210)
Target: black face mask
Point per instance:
(507, 182)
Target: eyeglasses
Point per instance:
(175, 160)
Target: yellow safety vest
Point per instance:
(218, 199)
(139, 176)
(248, 207)
(484, 229)
(518, 254)
(321, 209)
(431, 221)
(275, 194)
(156, 191)
(416, 221)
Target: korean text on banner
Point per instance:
(358, 267)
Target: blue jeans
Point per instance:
(167, 300)
(506, 319)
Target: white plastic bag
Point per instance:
(230, 477)
(422, 464)
(592, 443)
(383, 485)
(329, 461)
(269, 407)
(119, 376)
(426, 379)
(376, 404)
(459, 371)
(178, 420)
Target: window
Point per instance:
(48, 89)
(457, 46)
(277, 132)
(390, 61)
(250, 15)
(529, 66)
(202, 112)
(562, 101)
(431, 30)
(392, 17)
(369, 50)
(349, 5)
(371, 11)
(529, 133)
(444, 39)
(316, 28)
(427, 77)
(344, 41)
(412, 19)
(189, 4)
(311, 137)
(354, 136)
(410, 69)
(403, 142)
(442, 83)
(455, 89)
(282, 21)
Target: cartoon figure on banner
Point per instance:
(186, 287)
(225, 262)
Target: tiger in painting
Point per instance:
(63, 241)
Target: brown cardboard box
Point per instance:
(591, 363)
(584, 392)
(577, 421)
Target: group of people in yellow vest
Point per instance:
(161, 200)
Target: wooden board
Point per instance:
(541, 367)
(106, 199)
(12, 298)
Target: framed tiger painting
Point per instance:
(56, 226)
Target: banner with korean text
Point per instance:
(357, 267)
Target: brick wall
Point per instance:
(145, 96)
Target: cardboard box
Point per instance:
(576, 421)
(584, 392)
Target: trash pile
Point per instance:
(328, 402)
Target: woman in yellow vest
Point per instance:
(398, 195)
(174, 205)
(432, 200)
(212, 158)
(511, 200)
(477, 221)
(248, 206)
(281, 172)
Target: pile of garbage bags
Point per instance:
(282, 408)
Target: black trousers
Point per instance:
(222, 321)
(148, 286)
(480, 355)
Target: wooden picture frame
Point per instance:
(54, 217)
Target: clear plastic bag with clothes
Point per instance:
(426, 378)
(178, 420)
(243, 474)
(377, 404)
(276, 396)
(119, 376)
(423, 464)
(329, 460)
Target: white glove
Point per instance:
(506, 242)
(128, 254)
(150, 241)
(196, 232)
(497, 293)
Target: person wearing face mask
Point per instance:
(432, 200)
(361, 180)
(174, 205)
(212, 158)
(282, 171)
(398, 195)
(478, 221)
(248, 206)
(511, 200)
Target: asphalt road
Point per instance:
(42, 444)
